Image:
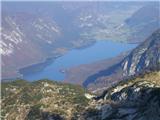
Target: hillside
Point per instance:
(149, 12)
(132, 99)
(78, 74)
(41, 100)
(136, 99)
(23, 35)
(143, 58)
(145, 17)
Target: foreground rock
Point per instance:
(137, 99)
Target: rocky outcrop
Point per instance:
(137, 99)
(145, 57)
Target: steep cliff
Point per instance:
(143, 58)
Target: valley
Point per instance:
(80, 60)
(33, 32)
(53, 69)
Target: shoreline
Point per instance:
(46, 61)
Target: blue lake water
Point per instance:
(100, 50)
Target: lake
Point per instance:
(98, 51)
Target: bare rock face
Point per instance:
(145, 57)
(137, 99)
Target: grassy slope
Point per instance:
(23, 100)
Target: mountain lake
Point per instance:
(55, 69)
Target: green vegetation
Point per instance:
(43, 98)
(46, 99)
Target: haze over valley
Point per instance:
(35, 31)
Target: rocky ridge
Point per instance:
(136, 99)
(145, 57)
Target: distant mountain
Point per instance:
(136, 99)
(145, 17)
(144, 58)
(26, 39)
